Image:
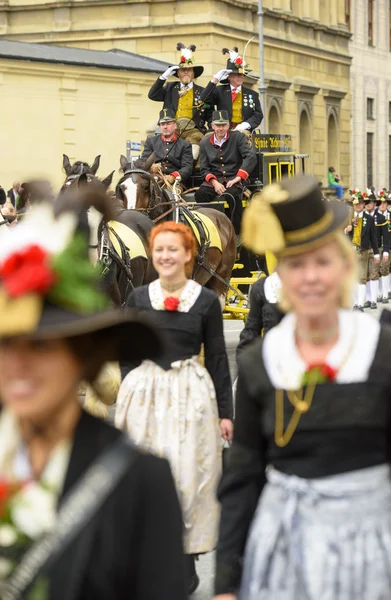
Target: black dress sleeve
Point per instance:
(161, 572)
(240, 488)
(254, 322)
(124, 365)
(216, 360)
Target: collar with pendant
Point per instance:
(216, 142)
(359, 215)
(188, 85)
(237, 89)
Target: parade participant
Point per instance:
(172, 406)
(13, 193)
(110, 512)
(264, 312)
(241, 103)
(370, 202)
(308, 487)
(362, 232)
(384, 243)
(173, 154)
(226, 160)
(183, 98)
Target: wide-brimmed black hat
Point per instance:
(166, 115)
(290, 217)
(187, 60)
(220, 117)
(49, 289)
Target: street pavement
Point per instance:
(205, 565)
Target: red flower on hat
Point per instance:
(381, 193)
(239, 61)
(7, 490)
(183, 59)
(171, 303)
(27, 271)
(365, 195)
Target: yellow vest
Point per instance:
(185, 105)
(357, 230)
(237, 109)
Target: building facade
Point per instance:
(306, 53)
(370, 48)
(57, 100)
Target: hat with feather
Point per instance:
(290, 217)
(235, 62)
(187, 60)
(49, 289)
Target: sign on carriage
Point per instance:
(132, 147)
(272, 143)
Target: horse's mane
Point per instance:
(80, 167)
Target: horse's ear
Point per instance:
(95, 165)
(107, 181)
(66, 164)
(123, 161)
(149, 162)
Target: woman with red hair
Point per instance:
(175, 407)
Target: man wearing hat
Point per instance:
(174, 156)
(184, 97)
(382, 269)
(371, 208)
(241, 103)
(362, 232)
(226, 159)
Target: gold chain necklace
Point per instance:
(301, 405)
(173, 288)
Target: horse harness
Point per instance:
(108, 254)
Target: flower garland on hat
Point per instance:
(187, 54)
(46, 260)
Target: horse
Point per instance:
(118, 237)
(215, 261)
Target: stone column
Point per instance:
(315, 10)
(333, 12)
(306, 9)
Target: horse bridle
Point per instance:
(152, 184)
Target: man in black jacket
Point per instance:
(241, 103)
(362, 232)
(184, 97)
(379, 271)
(173, 155)
(227, 159)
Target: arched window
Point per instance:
(305, 137)
(274, 120)
(332, 143)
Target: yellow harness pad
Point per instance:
(214, 236)
(130, 239)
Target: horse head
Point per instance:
(79, 168)
(138, 188)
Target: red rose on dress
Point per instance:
(27, 271)
(171, 303)
(239, 61)
(325, 370)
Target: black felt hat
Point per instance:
(166, 115)
(220, 117)
(290, 217)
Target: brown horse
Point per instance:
(141, 191)
(118, 237)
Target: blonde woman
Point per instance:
(306, 498)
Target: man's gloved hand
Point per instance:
(242, 126)
(223, 74)
(170, 71)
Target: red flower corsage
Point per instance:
(319, 373)
(27, 271)
(171, 303)
(239, 61)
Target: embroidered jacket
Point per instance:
(382, 231)
(169, 95)
(368, 234)
(221, 97)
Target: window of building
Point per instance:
(389, 162)
(369, 160)
(370, 108)
(348, 13)
(371, 4)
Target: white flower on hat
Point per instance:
(6, 567)
(39, 227)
